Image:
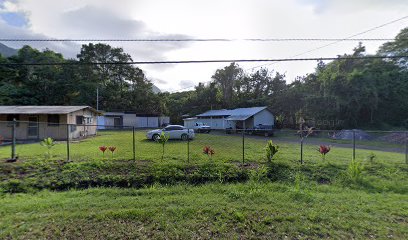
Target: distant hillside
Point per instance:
(155, 89)
(7, 51)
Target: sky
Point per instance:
(178, 19)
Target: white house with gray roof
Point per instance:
(233, 118)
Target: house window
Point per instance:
(10, 119)
(79, 120)
(88, 120)
(72, 128)
(53, 120)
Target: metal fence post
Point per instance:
(134, 144)
(301, 146)
(354, 145)
(13, 140)
(243, 146)
(406, 147)
(188, 146)
(68, 154)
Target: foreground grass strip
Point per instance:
(260, 210)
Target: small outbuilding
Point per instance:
(38, 122)
(239, 118)
(117, 120)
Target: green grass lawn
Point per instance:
(291, 135)
(231, 211)
(115, 197)
(228, 148)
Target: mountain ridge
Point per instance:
(7, 51)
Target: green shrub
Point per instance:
(279, 172)
(354, 170)
(49, 143)
(259, 175)
(300, 191)
(14, 186)
(163, 140)
(270, 150)
(371, 157)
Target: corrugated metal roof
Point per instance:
(42, 109)
(239, 113)
(113, 113)
(211, 113)
(192, 118)
(238, 117)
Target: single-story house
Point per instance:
(38, 122)
(131, 119)
(246, 118)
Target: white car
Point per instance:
(173, 131)
(201, 128)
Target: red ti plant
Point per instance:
(323, 150)
(103, 149)
(208, 151)
(112, 149)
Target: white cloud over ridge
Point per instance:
(344, 6)
(88, 22)
(206, 19)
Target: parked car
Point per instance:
(174, 132)
(260, 129)
(200, 127)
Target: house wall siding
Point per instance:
(214, 123)
(87, 129)
(44, 129)
(264, 117)
(58, 132)
(132, 120)
(129, 120)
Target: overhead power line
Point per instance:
(198, 40)
(340, 40)
(201, 61)
(335, 41)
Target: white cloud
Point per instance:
(67, 48)
(208, 19)
(344, 6)
(10, 7)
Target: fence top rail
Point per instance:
(66, 124)
(234, 129)
(314, 130)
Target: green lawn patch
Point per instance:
(250, 210)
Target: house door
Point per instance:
(117, 122)
(33, 127)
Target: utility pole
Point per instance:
(97, 98)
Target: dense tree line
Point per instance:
(121, 87)
(347, 92)
(342, 93)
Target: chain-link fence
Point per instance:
(29, 140)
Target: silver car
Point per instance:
(173, 131)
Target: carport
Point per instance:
(241, 121)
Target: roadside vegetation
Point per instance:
(213, 194)
(213, 186)
(352, 92)
(213, 158)
(250, 210)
